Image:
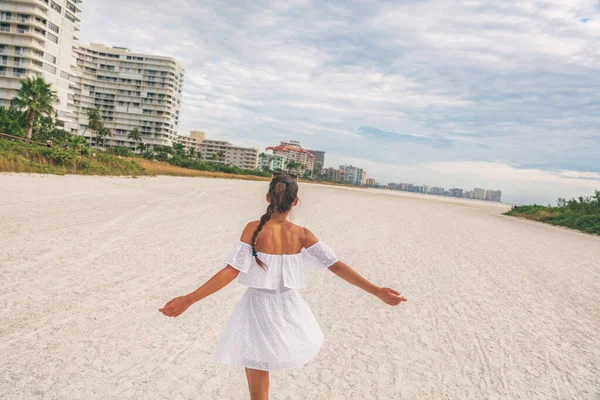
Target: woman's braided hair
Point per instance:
(283, 191)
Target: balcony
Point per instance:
(4, 28)
(3, 72)
(3, 61)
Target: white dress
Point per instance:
(272, 328)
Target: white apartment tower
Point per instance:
(36, 39)
(131, 90)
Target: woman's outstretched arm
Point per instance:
(178, 305)
(344, 271)
(387, 295)
(224, 277)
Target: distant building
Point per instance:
(479, 193)
(456, 192)
(336, 175)
(493, 195)
(371, 182)
(355, 174)
(271, 162)
(295, 158)
(319, 161)
(438, 191)
(220, 151)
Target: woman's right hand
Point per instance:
(176, 307)
(390, 296)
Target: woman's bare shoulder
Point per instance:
(306, 236)
(249, 232)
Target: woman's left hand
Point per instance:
(176, 307)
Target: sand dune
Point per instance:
(499, 308)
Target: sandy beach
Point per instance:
(499, 307)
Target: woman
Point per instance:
(272, 328)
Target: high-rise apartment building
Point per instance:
(479, 193)
(336, 175)
(493, 195)
(356, 176)
(36, 39)
(293, 154)
(437, 191)
(319, 161)
(371, 182)
(131, 90)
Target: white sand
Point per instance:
(499, 308)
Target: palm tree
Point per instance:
(101, 135)
(136, 137)
(95, 123)
(76, 142)
(292, 165)
(221, 155)
(192, 152)
(179, 149)
(37, 98)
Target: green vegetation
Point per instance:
(36, 98)
(18, 156)
(582, 213)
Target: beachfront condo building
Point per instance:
(493, 195)
(319, 161)
(479, 193)
(438, 191)
(336, 175)
(220, 151)
(271, 162)
(294, 158)
(371, 182)
(36, 39)
(356, 175)
(131, 90)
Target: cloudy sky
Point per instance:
(498, 94)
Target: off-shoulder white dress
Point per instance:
(272, 327)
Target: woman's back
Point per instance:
(280, 237)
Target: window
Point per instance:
(71, 7)
(50, 68)
(52, 27)
(56, 7)
(52, 37)
(6, 16)
(38, 53)
(4, 27)
(50, 57)
(70, 16)
(65, 75)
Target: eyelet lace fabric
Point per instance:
(287, 270)
(272, 327)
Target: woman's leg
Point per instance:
(258, 383)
